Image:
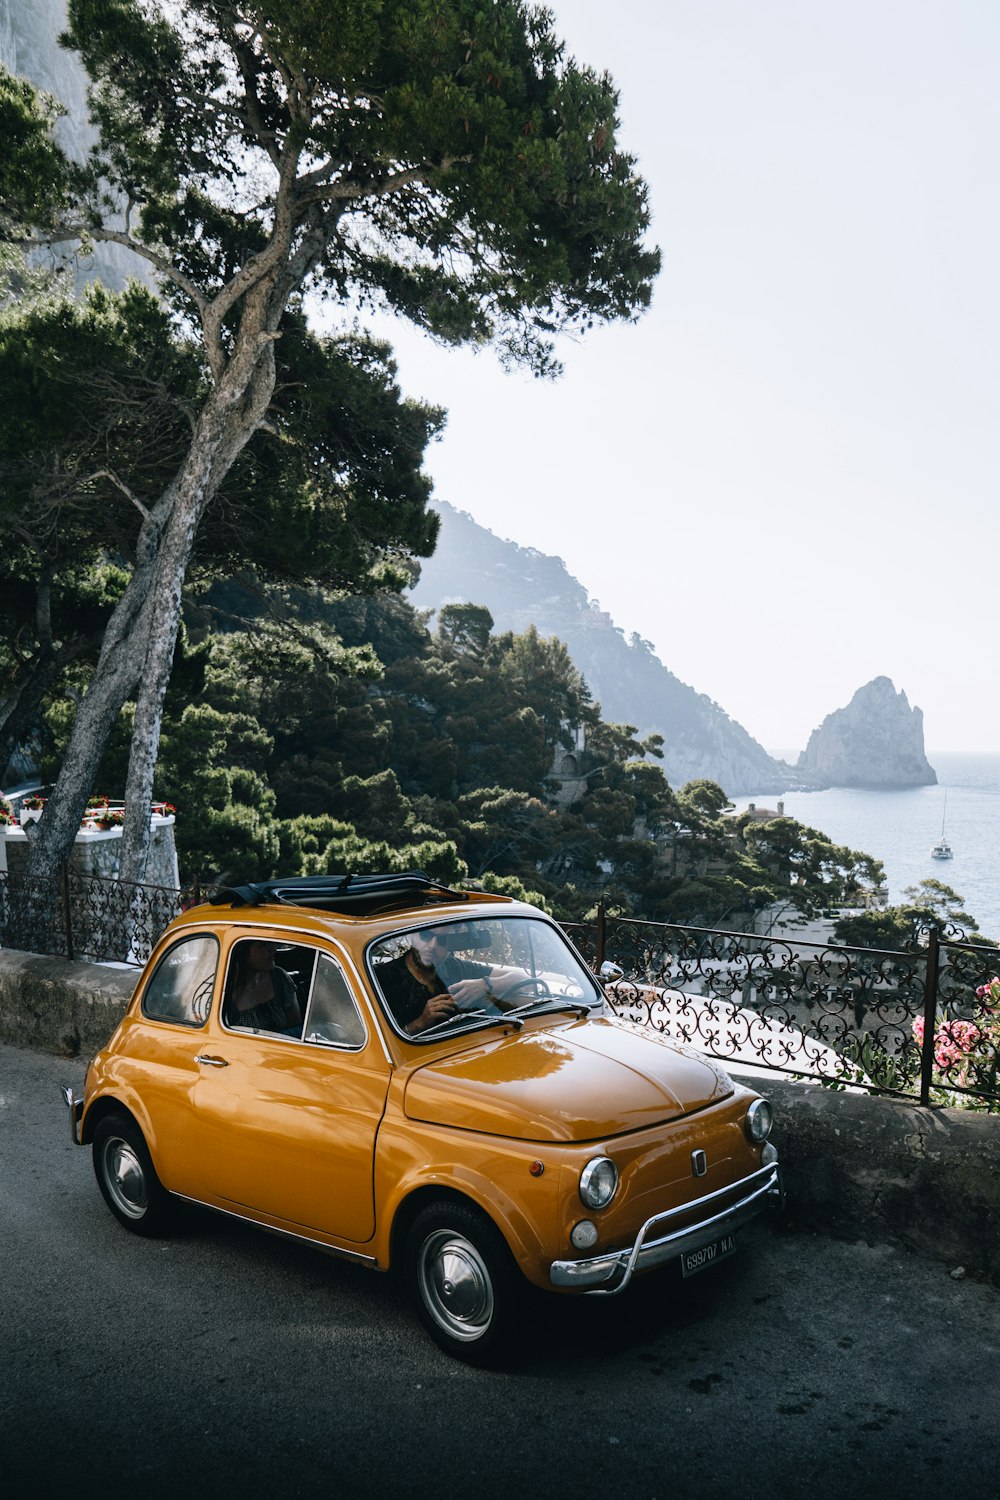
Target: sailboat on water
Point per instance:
(942, 849)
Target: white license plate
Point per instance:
(693, 1261)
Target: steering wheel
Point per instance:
(537, 988)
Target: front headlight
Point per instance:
(598, 1182)
(758, 1121)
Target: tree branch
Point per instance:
(119, 484)
(356, 192)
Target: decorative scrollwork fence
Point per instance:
(87, 916)
(920, 1024)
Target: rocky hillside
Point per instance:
(521, 587)
(29, 45)
(877, 740)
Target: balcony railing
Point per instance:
(921, 1023)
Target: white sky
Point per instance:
(784, 475)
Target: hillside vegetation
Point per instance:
(350, 736)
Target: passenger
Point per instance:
(261, 995)
(427, 983)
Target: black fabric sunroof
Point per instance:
(352, 894)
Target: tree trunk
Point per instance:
(210, 459)
(95, 718)
(117, 671)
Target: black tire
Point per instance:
(127, 1178)
(463, 1280)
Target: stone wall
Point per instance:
(56, 1005)
(861, 1167)
(856, 1167)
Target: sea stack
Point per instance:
(877, 740)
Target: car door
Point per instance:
(288, 1123)
(164, 1038)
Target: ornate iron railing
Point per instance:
(921, 1024)
(86, 916)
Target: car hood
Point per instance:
(566, 1082)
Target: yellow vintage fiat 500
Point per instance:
(420, 1078)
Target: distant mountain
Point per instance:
(522, 586)
(877, 740)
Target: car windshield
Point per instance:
(457, 975)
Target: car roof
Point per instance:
(364, 904)
(347, 894)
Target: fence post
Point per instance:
(930, 1016)
(67, 908)
(601, 934)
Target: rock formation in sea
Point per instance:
(877, 740)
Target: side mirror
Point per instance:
(609, 972)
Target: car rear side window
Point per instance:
(180, 989)
(333, 1016)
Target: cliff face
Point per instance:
(521, 586)
(29, 46)
(877, 740)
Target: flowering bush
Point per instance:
(968, 1051)
(34, 801)
(6, 812)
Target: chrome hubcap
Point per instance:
(125, 1178)
(455, 1285)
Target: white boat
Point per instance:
(942, 849)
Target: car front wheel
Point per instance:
(464, 1282)
(127, 1178)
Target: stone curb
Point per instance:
(855, 1166)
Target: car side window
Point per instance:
(333, 1016)
(180, 989)
(266, 985)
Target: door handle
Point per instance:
(212, 1062)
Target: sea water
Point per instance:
(900, 826)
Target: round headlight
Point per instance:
(598, 1182)
(758, 1121)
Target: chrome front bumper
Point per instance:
(75, 1107)
(716, 1214)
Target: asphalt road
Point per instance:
(227, 1362)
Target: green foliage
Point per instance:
(463, 172)
(891, 928)
(705, 796)
(36, 179)
(796, 856)
(942, 905)
(438, 157)
(318, 845)
(509, 885)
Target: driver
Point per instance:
(428, 982)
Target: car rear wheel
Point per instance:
(127, 1178)
(466, 1287)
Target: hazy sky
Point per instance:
(784, 475)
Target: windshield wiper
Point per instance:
(551, 1002)
(479, 1018)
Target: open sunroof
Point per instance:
(351, 894)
